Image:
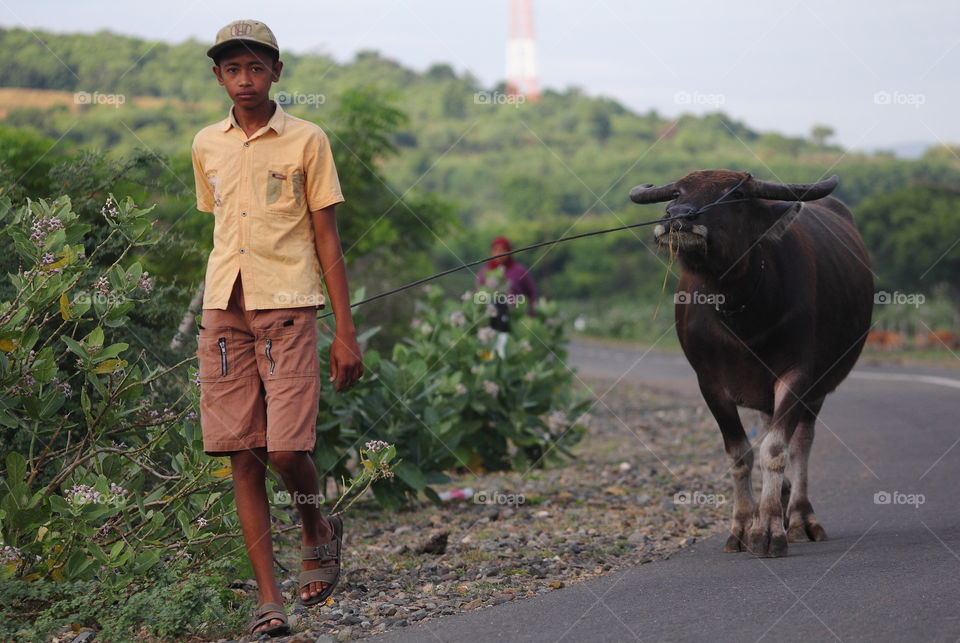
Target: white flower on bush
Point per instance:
(376, 446)
(491, 281)
(426, 329)
(529, 376)
(557, 421)
(81, 494)
(146, 282)
(415, 322)
(486, 335)
(461, 389)
(202, 522)
(491, 310)
(492, 388)
(467, 295)
(474, 369)
(10, 554)
(525, 345)
(457, 318)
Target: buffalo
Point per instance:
(772, 309)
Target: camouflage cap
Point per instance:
(244, 31)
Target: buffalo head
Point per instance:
(721, 226)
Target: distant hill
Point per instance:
(530, 169)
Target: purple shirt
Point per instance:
(519, 283)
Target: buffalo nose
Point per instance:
(681, 210)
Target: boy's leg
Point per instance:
(233, 421)
(290, 371)
(249, 474)
(300, 476)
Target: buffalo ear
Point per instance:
(783, 213)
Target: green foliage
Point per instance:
(103, 478)
(446, 400)
(912, 232)
(176, 601)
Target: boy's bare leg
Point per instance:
(300, 476)
(249, 476)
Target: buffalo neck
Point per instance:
(741, 284)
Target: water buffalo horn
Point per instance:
(648, 193)
(791, 191)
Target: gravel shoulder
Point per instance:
(615, 505)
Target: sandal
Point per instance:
(266, 613)
(329, 573)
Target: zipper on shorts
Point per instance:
(222, 342)
(269, 356)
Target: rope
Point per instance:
(688, 215)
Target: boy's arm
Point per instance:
(346, 361)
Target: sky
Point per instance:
(882, 74)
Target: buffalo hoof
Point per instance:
(768, 540)
(736, 543)
(805, 531)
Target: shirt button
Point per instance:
(242, 250)
(246, 143)
(243, 214)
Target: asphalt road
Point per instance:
(890, 571)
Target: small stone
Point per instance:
(436, 544)
(555, 584)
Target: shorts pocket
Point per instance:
(218, 355)
(288, 348)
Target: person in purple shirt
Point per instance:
(519, 283)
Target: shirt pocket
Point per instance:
(284, 190)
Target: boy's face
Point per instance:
(247, 75)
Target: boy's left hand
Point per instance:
(346, 361)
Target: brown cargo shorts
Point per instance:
(259, 377)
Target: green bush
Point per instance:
(102, 481)
(447, 400)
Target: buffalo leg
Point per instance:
(737, 446)
(768, 536)
(802, 524)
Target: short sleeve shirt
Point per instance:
(261, 190)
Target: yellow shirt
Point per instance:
(261, 191)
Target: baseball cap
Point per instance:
(244, 31)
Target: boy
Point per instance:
(271, 184)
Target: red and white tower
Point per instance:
(522, 52)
